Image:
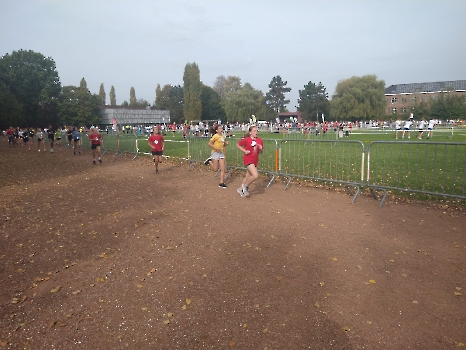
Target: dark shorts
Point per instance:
(157, 153)
(58, 138)
(94, 146)
(76, 140)
(40, 139)
(26, 138)
(51, 138)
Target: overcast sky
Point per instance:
(145, 43)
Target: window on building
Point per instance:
(424, 99)
(413, 99)
(403, 110)
(404, 100)
(393, 110)
(393, 99)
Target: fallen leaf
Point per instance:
(372, 281)
(359, 267)
(232, 343)
(346, 329)
(457, 293)
(188, 301)
(334, 259)
(76, 292)
(404, 275)
(139, 285)
(317, 305)
(321, 284)
(170, 314)
(184, 307)
(166, 322)
(369, 322)
(415, 302)
(54, 290)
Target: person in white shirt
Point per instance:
(407, 127)
(397, 128)
(430, 128)
(421, 126)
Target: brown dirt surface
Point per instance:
(114, 256)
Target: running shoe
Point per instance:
(245, 190)
(222, 185)
(207, 161)
(240, 191)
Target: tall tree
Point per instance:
(223, 86)
(242, 104)
(158, 97)
(359, 98)
(77, 106)
(102, 95)
(32, 79)
(313, 101)
(192, 107)
(112, 96)
(132, 97)
(10, 109)
(275, 97)
(83, 84)
(211, 104)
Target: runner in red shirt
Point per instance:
(251, 146)
(96, 140)
(11, 136)
(155, 142)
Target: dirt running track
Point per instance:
(113, 256)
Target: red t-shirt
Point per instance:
(251, 145)
(95, 138)
(156, 142)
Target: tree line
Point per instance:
(31, 95)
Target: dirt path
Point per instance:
(113, 256)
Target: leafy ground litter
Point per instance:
(114, 256)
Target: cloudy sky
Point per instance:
(144, 43)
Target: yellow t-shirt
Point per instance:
(218, 141)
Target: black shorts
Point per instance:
(51, 138)
(58, 138)
(94, 146)
(76, 140)
(70, 138)
(39, 139)
(157, 153)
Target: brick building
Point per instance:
(401, 97)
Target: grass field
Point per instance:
(432, 166)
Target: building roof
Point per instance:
(426, 87)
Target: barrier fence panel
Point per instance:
(423, 167)
(335, 161)
(127, 143)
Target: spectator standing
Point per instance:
(156, 143)
(251, 146)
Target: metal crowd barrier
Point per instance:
(417, 166)
(410, 166)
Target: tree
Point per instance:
(10, 109)
(192, 107)
(83, 84)
(132, 97)
(102, 95)
(112, 96)
(77, 106)
(158, 97)
(313, 101)
(359, 98)
(275, 97)
(32, 79)
(211, 104)
(242, 104)
(223, 86)
(447, 107)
